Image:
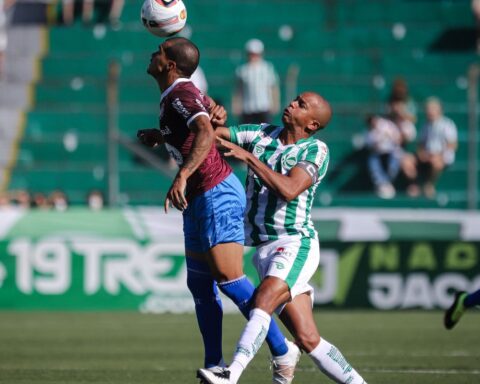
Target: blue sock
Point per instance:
(240, 291)
(472, 299)
(208, 308)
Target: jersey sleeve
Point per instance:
(190, 105)
(317, 153)
(244, 135)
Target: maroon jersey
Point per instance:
(180, 104)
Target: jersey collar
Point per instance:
(169, 89)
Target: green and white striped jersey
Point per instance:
(269, 217)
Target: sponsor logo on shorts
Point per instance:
(279, 265)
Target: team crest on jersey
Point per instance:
(258, 150)
(289, 161)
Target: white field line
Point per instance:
(413, 371)
(409, 371)
(415, 354)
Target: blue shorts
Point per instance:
(216, 216)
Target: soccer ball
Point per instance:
(164, 17)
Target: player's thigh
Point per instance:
(226, 261)
(271, 294)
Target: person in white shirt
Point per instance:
(257, 96)
(436, 147)
(383, 141)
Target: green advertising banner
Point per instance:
(394, 275)
(133, 260)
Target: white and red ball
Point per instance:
(164, 17)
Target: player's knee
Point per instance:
(199, 281)
(269, 298)
(307, 339)
(201, 288)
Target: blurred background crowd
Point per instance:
(396, 73)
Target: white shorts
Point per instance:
(292, 259)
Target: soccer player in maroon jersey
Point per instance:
(212, 201)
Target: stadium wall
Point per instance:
(132, 259)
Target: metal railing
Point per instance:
(472, 194)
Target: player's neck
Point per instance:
(290, 136)
(166, 83)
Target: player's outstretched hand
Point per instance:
(150, 137)
(232, 150)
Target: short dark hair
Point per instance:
(184, 53)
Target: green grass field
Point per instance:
(73, 347)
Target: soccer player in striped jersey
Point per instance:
(286, 165)
(211, 198)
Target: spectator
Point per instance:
(68, 11)
(40, 201)
(257, 94)
(115, 12)
(59, 201)
(4, 200)
(110, 10)
(436, 148)
(21, 198)
(400, 92)
(383, 141)
(398, 113)
(476, 13)
(95, 200)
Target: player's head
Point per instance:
(254, 49)
(184, 53)
(175, 57)
(309, 112)
(370, 120)
(433, 108)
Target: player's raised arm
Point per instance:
(202, 143)
(288, 187)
